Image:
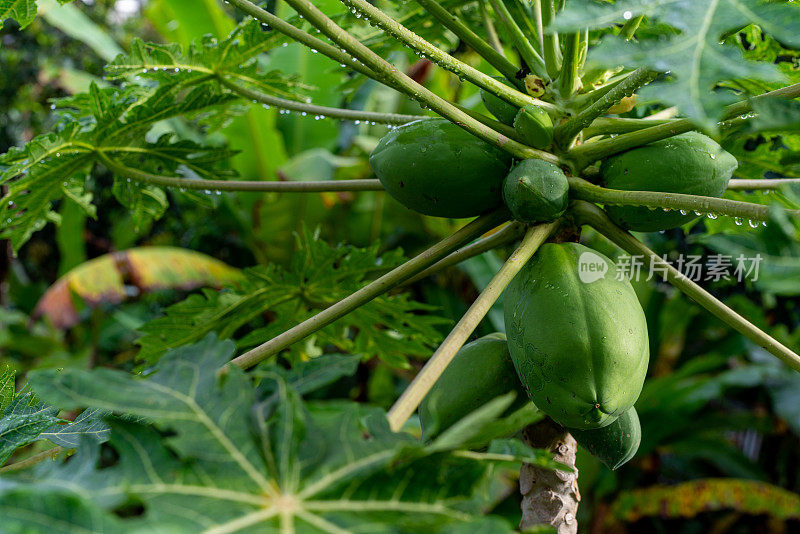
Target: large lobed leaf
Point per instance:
(117, 121)
(695, 59)
(212, 457)
(25, 419)
(235, 57)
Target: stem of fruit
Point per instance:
(462, 70)
(423, 382)
(238, 185)
(491, 53)
(317, 111)
(491, 32)
(526, 24)
(495, 125)
(508, 234)
(390, 73)
(745, 106)
(564, 133)
(529, 54)
(607, 125)
(536, 7)
(570, 65)
(582, 100)
(580, 189)
(588, 153)
(593, 216)
(763, 183)
(344, 58)
(303, 38)
(374, 289)
(583, 52)
(33, 460)
(630, 27)
(551, 49)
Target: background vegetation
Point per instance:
(720, 418)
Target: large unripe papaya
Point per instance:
(480, 371)
(614, 444)
(690, 163)
(436, 168)
(535, 191)
(577, 336)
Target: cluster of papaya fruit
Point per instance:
(578, 350)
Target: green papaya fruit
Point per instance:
(436, 168)
(480, 371)
(689, 163)
(536, 190)
(502, 110)
(577, 335)
(534, 126)
(614, 444)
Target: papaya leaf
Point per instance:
(778, 270)
(207, 58)
(708, 495)
(115, 121)
(696, 59)
(26, 419)
(103, 280)
(305, 377)
(22, 11)
(7, 388)
(58, 511)
(392, 328)
(210, 447)
(759, 158)
(72, 21)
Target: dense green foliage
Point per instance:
(177, 123)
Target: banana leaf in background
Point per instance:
(702, 496)
(115, 277)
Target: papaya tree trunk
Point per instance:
(550, 497)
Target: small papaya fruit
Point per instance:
(614, 444)
(502, 110)
(436, 168)
(534, 126)
(577, 335)
(535, 191)
(480, 371)
(690, 163)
